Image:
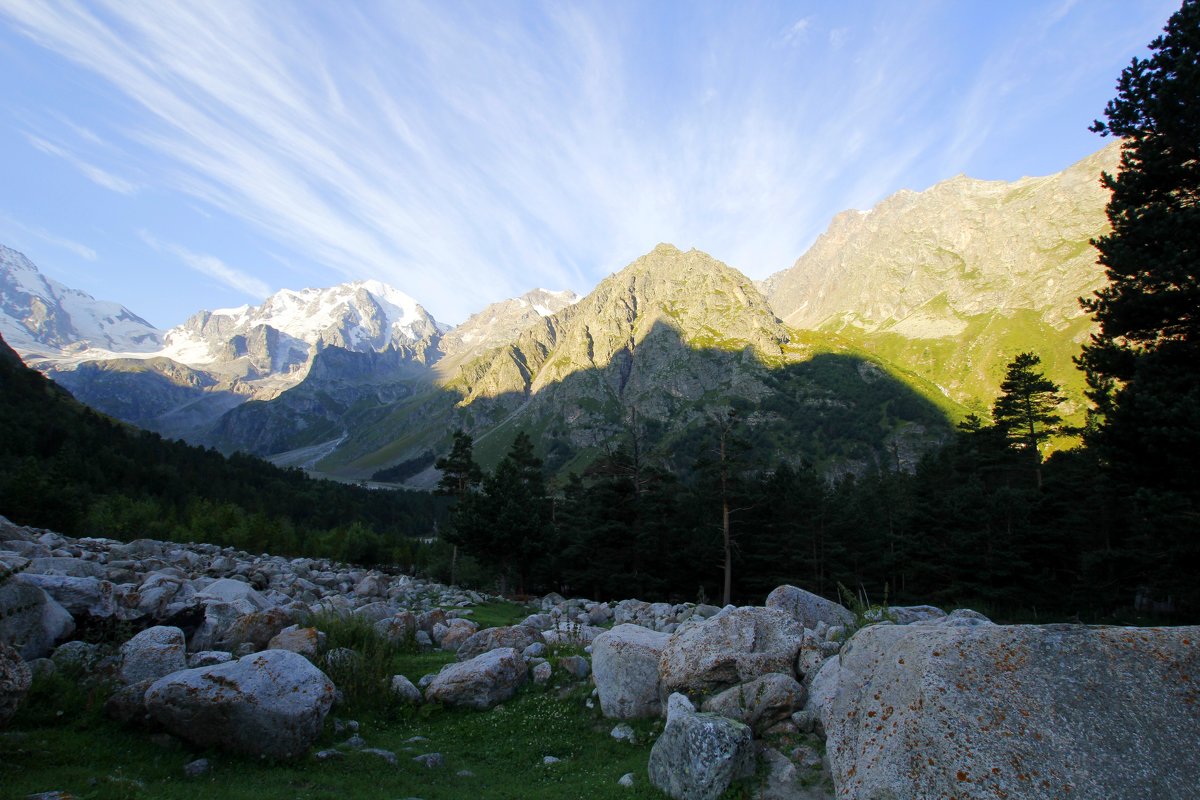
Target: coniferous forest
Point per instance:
(1107, 527)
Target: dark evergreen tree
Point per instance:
(1143, 365)
(509, 522)
(460, 473)
(1027, 409)
(460, 476)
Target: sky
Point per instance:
(174, 156)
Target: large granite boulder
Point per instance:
(79, 596)
(931, 711)
(736, 646)
(270, 704)
(227, 590)
(698, 756)
(33, 620)
(153, 653)
(481, 682)
(808, 608)
(625, 670)
(15, 679)
(518, 637)
(759, 703)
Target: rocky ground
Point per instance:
(797, 698)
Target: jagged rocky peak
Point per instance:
(706, 302)
(920, 262)
(39, 316)
(501, 323)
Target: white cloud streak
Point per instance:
(211, 266)
(93, 173)
(81, 250)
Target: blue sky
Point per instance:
(174, 156)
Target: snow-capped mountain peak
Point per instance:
(362, 316)
(40, 316)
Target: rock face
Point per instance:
(731, 648)
(807, 608)
(932, 711)
(625, 670)
(759, 703)
(947, 281)
(270, 704)
(480, 683)
(152, 654)
(40, 623)
(14, 682)
(698, 756)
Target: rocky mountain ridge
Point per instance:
(952, 282)
(937, 288)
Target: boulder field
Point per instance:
(904, 703)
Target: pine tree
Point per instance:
(1144, 363)
(460, 473)
(1026, 410)
(460, 476)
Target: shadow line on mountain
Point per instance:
(818, 402)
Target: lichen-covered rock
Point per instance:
(808, 608)
(625, 670)
(517, 637)
(733, 647)
(271, 704)
(305, 641)
(698, 756)
(403, 689)
(153, 653)
(481, 682)
(15, 679)
(929, 711)
(759, 703)
(457, 631)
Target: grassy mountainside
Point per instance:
(668, 341)
(954, 281)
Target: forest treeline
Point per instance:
(72, 470)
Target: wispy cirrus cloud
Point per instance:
(10, 226)
(90, 171)
(466, 153)
(211, 266)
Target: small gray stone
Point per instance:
(626, 780)
(550, 760)
(576, 666)
(197, 768)
(386, 755)
(623, 733)
(431, 760)
(541, 672)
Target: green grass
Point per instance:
(503, 748)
